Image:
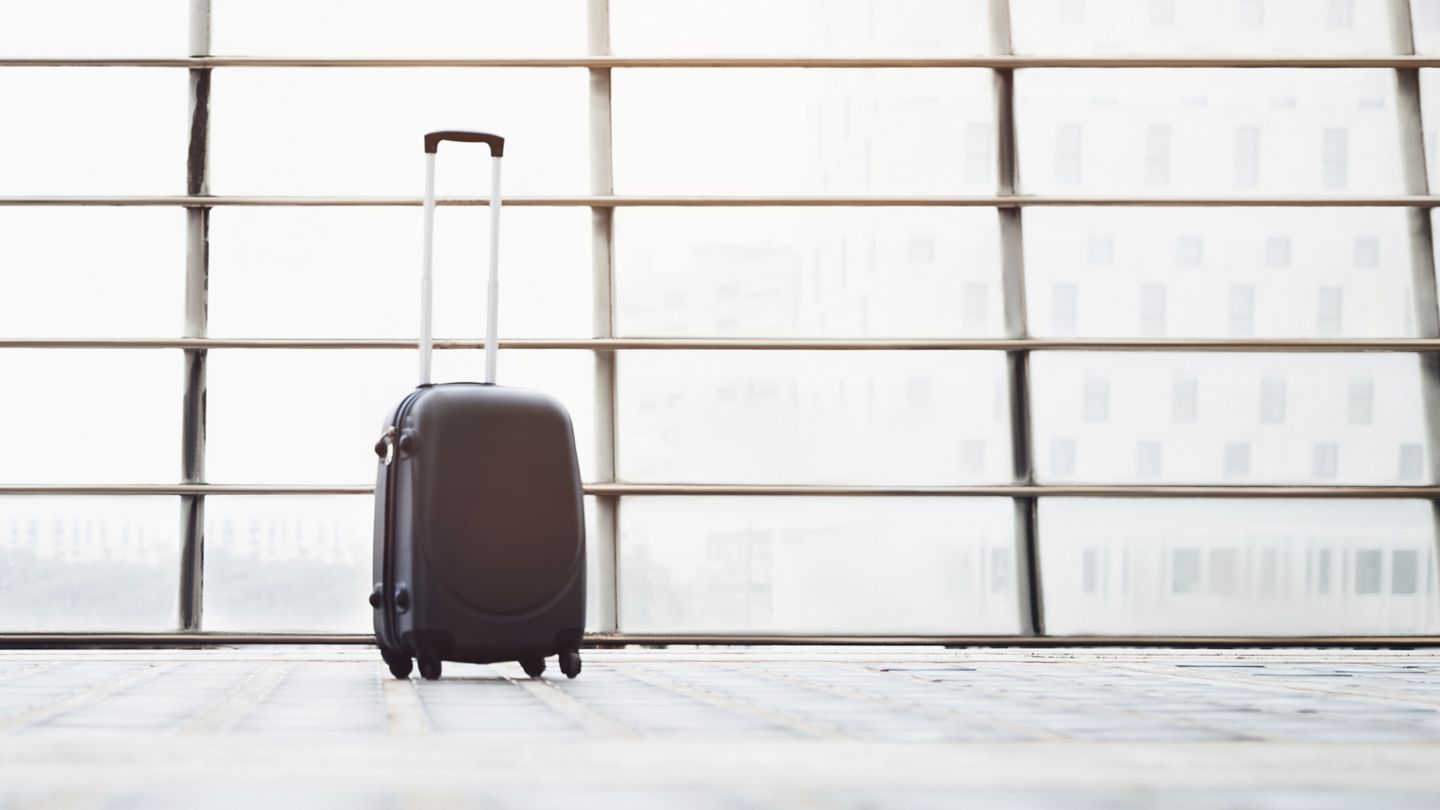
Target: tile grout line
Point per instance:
(404, 713)
(234, 705)
(569, 706)
(84, 697)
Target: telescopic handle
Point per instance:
(497, 148)
(495, 142)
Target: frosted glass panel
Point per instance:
(1238, 567)
(1211, 418)
(53, 284)
(1208, 131)
(818, 565)
(88, 564)
(808, 272)
(55, 151)
(96, 28)
(813, 417)
(90, 416)
(815, 131)
(1159, 27)
(430, 29)
(363, 131)
(1198, 272)
(312, 417)
(796, 27)
(355, 272)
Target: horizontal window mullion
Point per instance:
(858, 62)
(1204, 345)
(785, 490)
(763, 201)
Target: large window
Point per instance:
(904, 318)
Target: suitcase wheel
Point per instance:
(399, 664)
(430, 666)
(570, 662)
(533, 666)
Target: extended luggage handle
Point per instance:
(497, 151)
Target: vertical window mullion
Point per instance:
(1012, 264)
(602, 182)
(197, 270)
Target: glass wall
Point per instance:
(793, 226)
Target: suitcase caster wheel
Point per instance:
(570, 662)
(533, 666)
(399, 664)
(430, 667)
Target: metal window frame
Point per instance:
(1008, 202)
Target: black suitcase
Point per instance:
(479, 519)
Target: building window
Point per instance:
(1342, 14)
(1157, 156)
(1367, 252)
(1324, 460)
(1328, 307)
(1404, 571)
(1063, 309)
(1360, 401)
(1189, 251)
(1147, 460)
(1097, 400)
(1247, 157)
(1185, 401)
(1412, 461)
(1185, 570)
(1062, 457)
(1272, 400)
(1335, 158)
(1237, 459)
(1101, 251)
(1067, 154)
(1367, 571)
(1152, 310)
(1242, 311)
(1277, 251)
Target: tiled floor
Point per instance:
(274, 728)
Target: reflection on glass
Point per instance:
(799, 27)
(817, 565)
(1163, 27)
(90, 416)
(55, 285)
(312, 417)
(1198, 418)
(355, 272)
(1267, 272)
(89, 564)
(56, 152)
(437, 29)
(821, 131)
(1229, 131)
(293, 563)
(867, 417)
(1238, 567)
(808, 272)
(363, 130)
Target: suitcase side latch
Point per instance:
(385, 448)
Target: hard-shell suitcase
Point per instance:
(479, 521)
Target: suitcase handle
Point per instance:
(495, 142)
(497, 150)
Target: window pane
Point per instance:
(53, 29)
(89, 564)
(56, 152)
(824, 131)
(799, 27)
(433, 29)
(292, 563)
(313, 417)
(1230, 131)
(1264, 272)
(53, 284)
(1425, 21)
(817, 565)
(813, 417)
(363, 131)
(90, 416)
(1157, 27)
(1291, 409)
(808, 272)
(1239, 567)
(355, 272)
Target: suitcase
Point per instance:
(479, 519)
